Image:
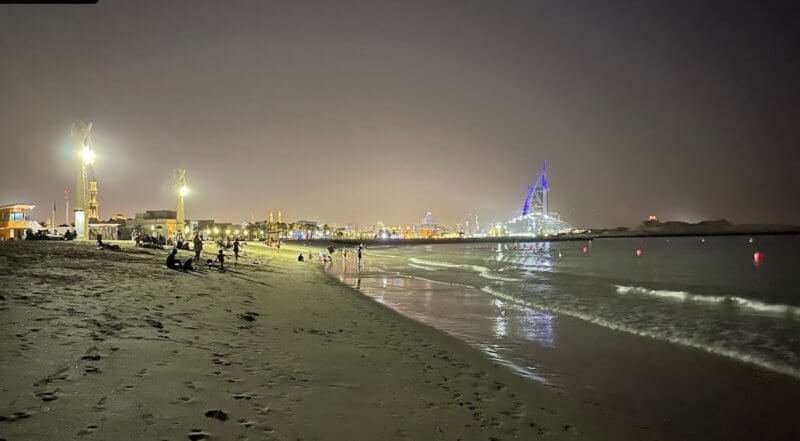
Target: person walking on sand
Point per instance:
(360, 247)
(198, 247)
(236, 250)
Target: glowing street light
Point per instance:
(87, 155)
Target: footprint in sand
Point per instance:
(198, 435)
(46, 396)
(249, 316)
(246, 423)
(16, 416)
(149, 418)
(88, 430)
(221, 361)
(92, 370)
(101, 404)
(217, 414)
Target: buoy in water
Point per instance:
(758, 257)
(585, 249)
(639, 252)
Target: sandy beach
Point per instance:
(112, 345)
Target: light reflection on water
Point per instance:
(496, 327)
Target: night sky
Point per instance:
(359, 111)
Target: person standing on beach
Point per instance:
(236, 250)
(360, 247)
(198, 247)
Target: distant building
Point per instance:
(14, 220)
(155, 223)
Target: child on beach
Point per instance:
(221, 260)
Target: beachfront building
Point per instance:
(156, 223)
(15, 220)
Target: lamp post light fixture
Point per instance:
(179, 181)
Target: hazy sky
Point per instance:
(359, 111)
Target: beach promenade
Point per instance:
(112, 345)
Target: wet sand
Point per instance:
(668, 391)
(112, 345)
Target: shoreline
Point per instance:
(651, 384)
(112, 345)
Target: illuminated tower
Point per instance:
(428, 219)
(536, 201)
(271, 219)
(280, 217)
(93, 207)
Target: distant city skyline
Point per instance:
(354, 112)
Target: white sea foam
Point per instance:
(482, 271)
(423, 267)
(439, 281)
(779, 367)
(490, 276)
(434, 263)
(747, 304)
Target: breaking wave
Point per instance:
(743, 303)
(482, 271)
(774, 366)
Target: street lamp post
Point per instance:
(81, 138)
(179, 178)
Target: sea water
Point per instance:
(735, 296)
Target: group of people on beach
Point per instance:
(218, 263)
(326, 256)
